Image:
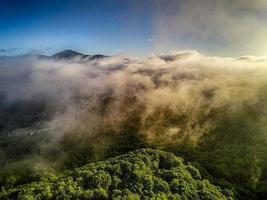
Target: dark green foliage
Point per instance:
(21, 113)
(24, 171)
(20, 158)
(142, 174)
(232, 154)
(16, 146)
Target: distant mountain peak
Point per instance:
(69, 54)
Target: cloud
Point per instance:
(7, 50)
(216, 26)
(170, 94)
(35, 51)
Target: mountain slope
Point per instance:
(67, 54)
(63, 55)
(70, 54)
(142, 174)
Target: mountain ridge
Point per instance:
(67, 54)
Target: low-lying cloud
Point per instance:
(175, 97)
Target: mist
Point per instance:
(173, 95)
(219, 27)
(64, 113)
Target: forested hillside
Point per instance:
(142, 174)
(210, 111)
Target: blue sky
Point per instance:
(135, 27)
(92, 26)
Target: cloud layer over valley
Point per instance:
(172, 98)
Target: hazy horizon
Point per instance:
(136, 28)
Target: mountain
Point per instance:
(63, 55)
(70, 54)
(141, 174)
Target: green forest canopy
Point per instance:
(141, 174)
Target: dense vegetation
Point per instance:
(21, 113)
(142, 174)
(214, 117)
(233, 156)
